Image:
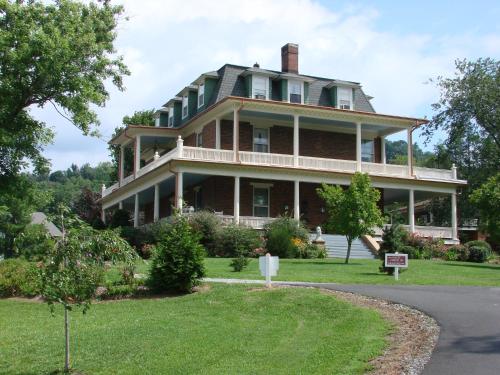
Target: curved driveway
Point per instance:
(469, 317)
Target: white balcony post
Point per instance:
(454, 171)
(454, 226)
(136, 210)
(236, 133)
(410, 152)
(179, 190)
(296, 200)
(180, 146)
(382, 151)
(296, 140)
(120, 205)
(121, 172)
(137, 155)
(236, 200)
(411, 211)
(358, 146)
(156, 210)
(103, 216)
(217, 133)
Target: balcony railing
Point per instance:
(288, 161)
(424, 231)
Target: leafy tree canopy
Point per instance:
(60, 54)
(487, 199)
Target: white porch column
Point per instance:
(103, 216)
(180, 146)
(410, 152)
(156, 210)
(296, 200)
(454, 226)
(121, 172)
(137, 155)
(136, 210)
(236, 133)
(179, 191)
(358, 146)
(236, 212)
(120, 205)
(217, 133)
(296, 140)
(411, 211)
(382, 146)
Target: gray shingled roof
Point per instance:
(41, 218)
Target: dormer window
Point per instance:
(170, 123)
(260, 87)
(295, 92)
(345, 98)
(201, 95)
(184, 106)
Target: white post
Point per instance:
(454, 226)
(410, 152)
(296, 140)
(156, 211)
(120, 205)
(217, 133)
(296, 200)
(179, 190)
(358, 146)
(180, 146)
(156, 156)
(103, 216)
(236, 200)
(137, 154)
(268, 270)
(103, 189)
(382, 146)
(136, 211)
(122, 165)
(454, 171)
(411, 211)
(396, 271)
(236, 133)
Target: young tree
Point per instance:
(352, 212)
(487, 200)
(60, 54)
(74, 269)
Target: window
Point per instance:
(260, 140)
(345, 98)
(199, 139)
(295, 91)
(261, 202)
(201, 95)
(198, 198)
(367, 150)
(170, 117)
(184, 106)
(259, 87)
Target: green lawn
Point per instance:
(419, 272)
(226, 330)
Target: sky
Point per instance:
(392, 48)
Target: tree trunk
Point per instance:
(66, 336)
(349, 242)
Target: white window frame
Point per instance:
(185, 105)
(258, 186)
(199, 139)
(345, 93)
(266, 84)
(290, 82)
(170, 121)
(201, 94)
(255, 128)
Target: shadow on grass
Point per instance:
(473, 265)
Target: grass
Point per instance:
(224, 330)
(364, 271)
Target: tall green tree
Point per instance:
(58, 54)
(487, 200)
(352, 211)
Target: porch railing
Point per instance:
(424, 231)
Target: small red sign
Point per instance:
(396, 260)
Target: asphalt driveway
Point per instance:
(469, 342)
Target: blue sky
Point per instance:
(391, 47)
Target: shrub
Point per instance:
(478, 254)
(18, 277)
(479, 243)
(311, 251)
(283, 236)
(120, 218)
(177, 263)
(413, 252)
(392, 241)
(127, 274)
(236, 241)
(208, 226)
(433, 248)
(456, 252)
(239, 263)
(34, 243)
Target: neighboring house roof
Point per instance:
(41, 218)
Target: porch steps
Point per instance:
(336, 247)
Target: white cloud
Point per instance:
(167, 44)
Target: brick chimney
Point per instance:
(290, 58)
